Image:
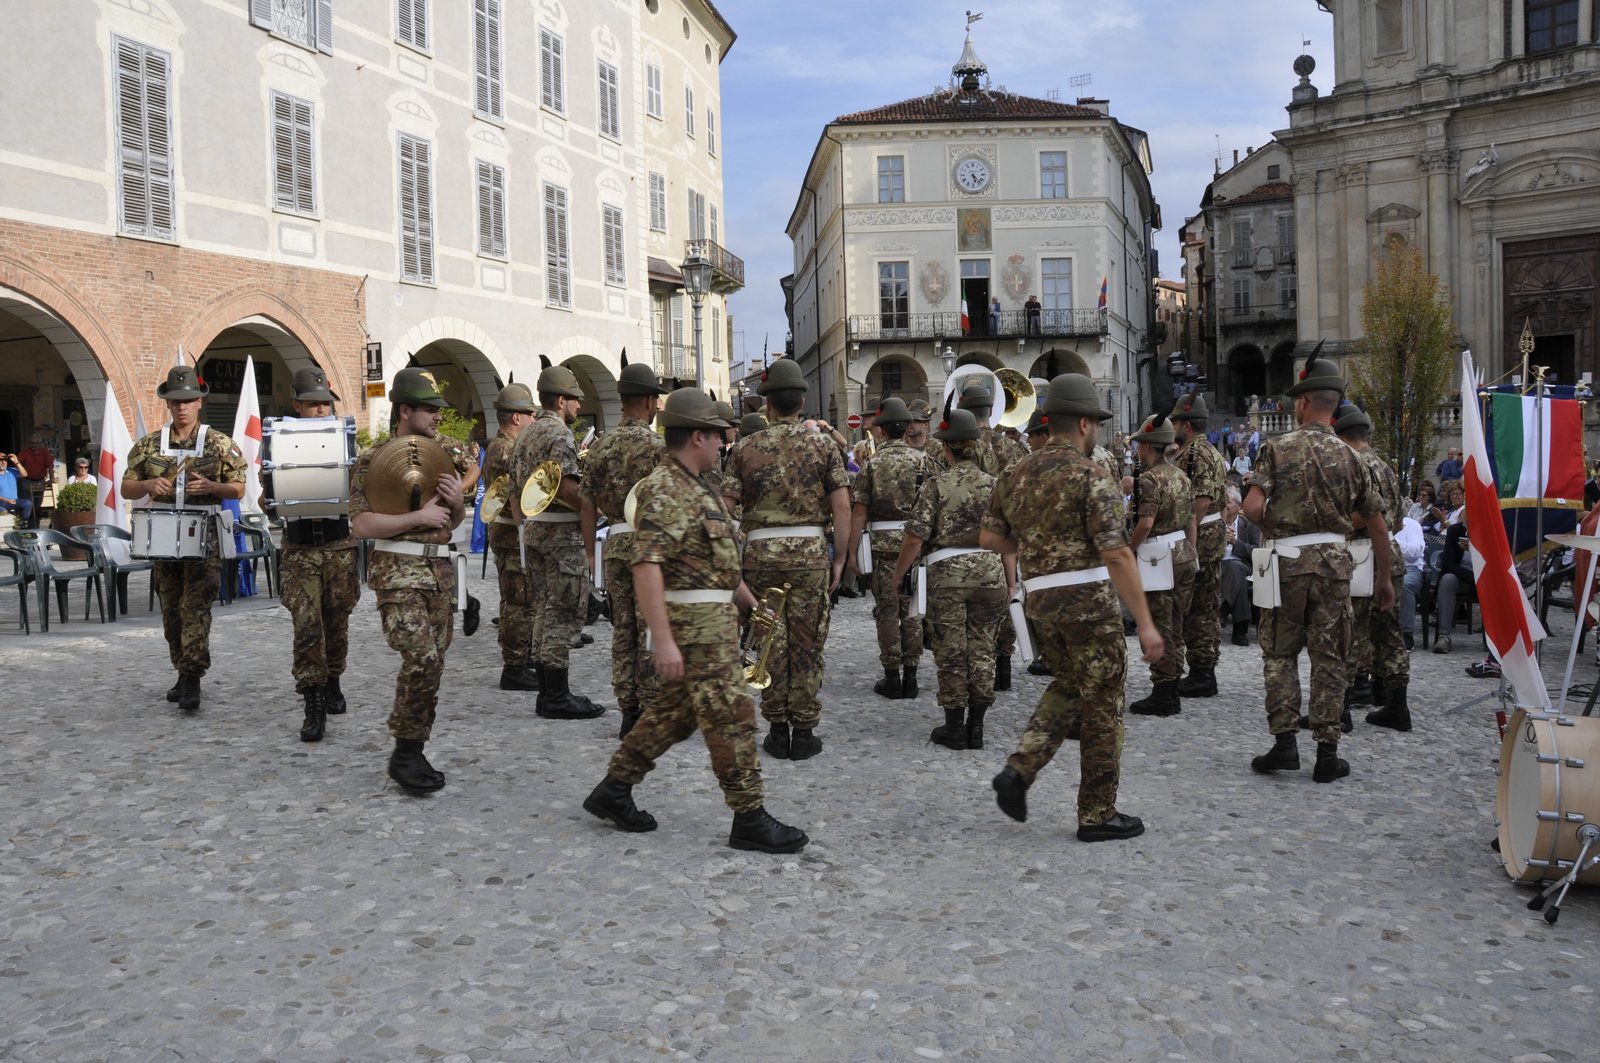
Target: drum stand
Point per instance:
(1589, 834)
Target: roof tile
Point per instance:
(956, 106)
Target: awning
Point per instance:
(663, 272)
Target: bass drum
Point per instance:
(1549, 788)
(305, 465)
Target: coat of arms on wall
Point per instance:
(1015, 277)
(935, 282)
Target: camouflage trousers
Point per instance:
(1090, 661)
(796, 660)
(632, 679)
(1315, 616)
(1387, 657)
(899, 636)
(319, 590)
(710, 697)
(516, 607)
(418, 624)
(1360, 657)
(1169, 610)
(187, 590)
(1202, 620)
(558, 588)
(964, 621)
(1005, 636)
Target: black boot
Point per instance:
(1201, 682)
(1283, 756)
(953, 735)
(757, 831)
(316, 721)
(1346, 724)
(1329, 767)
(975, 714)
(629, 718)
(409, 768)
(333, 698)
(1359, 692)
(1011, 794)
(889, 686)
(1395, 712)
(613, 800)
(777, 741)
(1241, 632)
(189, 693)
(1163, 701)
(518, 677)
(470, 616)
(557, 702)
(803, 745)
(1380, 692)
(908, 682)
(177, 689)
(1038, 667)
(1002, 672)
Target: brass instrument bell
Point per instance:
(540, 490)
(765, 619)
(1021, 398)
(495, 498)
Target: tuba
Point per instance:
(963, 375)
(765, 619)
(1020, 398)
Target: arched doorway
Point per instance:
(1054, 362)
(51, 384)
(602, 405)
(1280, 370)
(276, 354)
(898, 375)
(467, 378)
(1247, 376)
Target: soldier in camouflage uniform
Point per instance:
(317, 569)
(686, 571)
(1061, 514)
(1208, 479)
(558, 578)
(967, 585)
(1303, 489)
(997, 452)
(917, 430)
(883, 495)
(213, 469)
(413, 576)
(514, 410)
(1166, 516)
(615, 464)
(786, 484)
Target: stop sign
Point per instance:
(854, 420)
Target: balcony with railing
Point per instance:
(1258, 314)
(674, 359)
(1011, 324)
(727, 268)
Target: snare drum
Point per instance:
(305, 465)
(1549, 788)
(172, 534)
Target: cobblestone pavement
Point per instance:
(210, 888)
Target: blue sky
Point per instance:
(1188, 72)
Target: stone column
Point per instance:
(1438, 165)
(1352, 179)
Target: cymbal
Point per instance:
(1576, 542)
(404, 472)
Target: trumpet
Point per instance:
(765, 619)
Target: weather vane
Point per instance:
(971, 18)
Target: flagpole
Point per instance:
(1540, 474)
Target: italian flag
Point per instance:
(1518, 428)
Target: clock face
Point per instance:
(972, 175)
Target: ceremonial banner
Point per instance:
(114, 447)
(247, 434)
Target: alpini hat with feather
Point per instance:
(1156, 431)
(1073, 394)
(1318, 375)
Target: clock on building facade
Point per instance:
(972, 175)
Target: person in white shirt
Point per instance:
(1412, 548)
(80, 473)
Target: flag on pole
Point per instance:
(139, 430)
(247, 434)
(1509, 623)
(114, 448)
(1518, 463)
(966, 323)
(1105, 289)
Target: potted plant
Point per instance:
(74, 506)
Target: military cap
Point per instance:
(1191, 408)
(1350, 416)
(311, 385)
(1039, 421)
(1073, 394)
(515, 398)
(920, 410)
(690, 408)
(958, 425)
(559, 380)
(639, 379)
(751, 423)
(416, 387)
(182, 383)
(783, 374)
(976, 397)
(726, 412)
(1156, 431)
(891, 411)
(1318, 375)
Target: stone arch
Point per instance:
(482, 367)
(1247, 375)
(1280, 368)
(602, 405)
(282, 325)
(912, 379)
(1058, 360)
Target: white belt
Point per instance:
(947, 552)
(886, 525)
(562, 516)
(1210, 518)
(699, 597)
(1289, 545)
(504, 520)
(1067, 579)
(1171, 538)
(796, 531)
(400, 546)
(620, 527)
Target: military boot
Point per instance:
(316, 720)
(557, 702)
(1002, 672)
(1380, 691)
(613, 800)
(975, 713)
(1163, 701)
(953, 735)
(176, 690)
(1395, 712)
(189, 693)
(908, 682)
(1241, 633)
(1038, 667)
(1201, 682)
(889, 686)
(757, 831)
(518, 677)
(1011, 793)
(1359, 692)
(803, 745)
(776, 743)
(411, 770)
(1347, 722)
(470, 616)
(1283, 756)
(629, 718)
(1329, 767)
(333, 697)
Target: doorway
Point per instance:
(975, 294)
(1560, 354)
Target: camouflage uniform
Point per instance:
(888, 487)
(1379, 647)
(967, 593)
(187, 589)
(1165, 496)
(782, 477)
(1313, 482)
(1202, 623)
(684, 528)
(416, 603)
(617, 462)
(320, 588)
(1065, 511)
(558, 572)
(516, 595)
(998, 452)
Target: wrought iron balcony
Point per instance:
(727, 268)
(673, 359)
(1012, 324)
(1259, 313)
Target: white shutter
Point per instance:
(411, 22)
(711, 132)
(616, 255)
(144, 141)
(416, 210)
(305, 171)
(658, 202)
(293, 164)
(688, 111)
(261, 14)
(491, 210)
(557, 255)
(552, 92)
(323, 30)
(652, 81)
(486, 57)
(714, 237)
(610, 106)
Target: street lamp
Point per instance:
(949, 360)
(697, 281)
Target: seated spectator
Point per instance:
(80, 473)
(1241, 538)
(1422, 502)
(1455, 572)
(1450, 467)
(14, 497)
(1241, 459)
(1413, 550)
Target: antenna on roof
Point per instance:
(1053, 95)
(1078, 81)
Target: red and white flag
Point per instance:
(966, 323)
(114, 447)
(247, 434)
(1509, 622)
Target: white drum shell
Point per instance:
(1549, 787)
(172, 534)
(305, 465)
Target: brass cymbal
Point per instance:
(404, 473)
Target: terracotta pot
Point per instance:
(63, 523)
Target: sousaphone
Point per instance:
(963, 375)
(404, 474)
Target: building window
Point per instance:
(714, 230)
(557, 248)
(653, 105)
(890, 378)
(491, 210)
(1055, 283)
(1550, 24)
(1241, 295)
(1286, 238)
(615, 256)
(894, 295)
(486, 58)
(711, 132)
(680, 360)
(1273, 172)
(145, 200)
(610, 104)
(416, 209)
(697, 215)
(411, 23)
(891, 179)
(552, 76)
(294, 185)
(308, 23)
(688, 110)
(1288, 290)
(1053, 175)
(1389, 19)
(658, 202)
(716, 334)
(1243, 244)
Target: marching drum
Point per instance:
(172, 534)
(1549, 796)
(305, 465)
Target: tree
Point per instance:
(1404, 361)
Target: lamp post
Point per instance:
(949, 360)
(697, 281)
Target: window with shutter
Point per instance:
(552, 91)
(145, 183)
(658, 202)
(716, 334)
(294, 184)
(616, 256)
(308, 23)
(688, 111)
(711, 132)
(486, 59)
(714, 237)
(411, 23)
(557, 253)
(610, 103)
(697, 215)
(654, 104)
(491, 210)
(416, 209)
